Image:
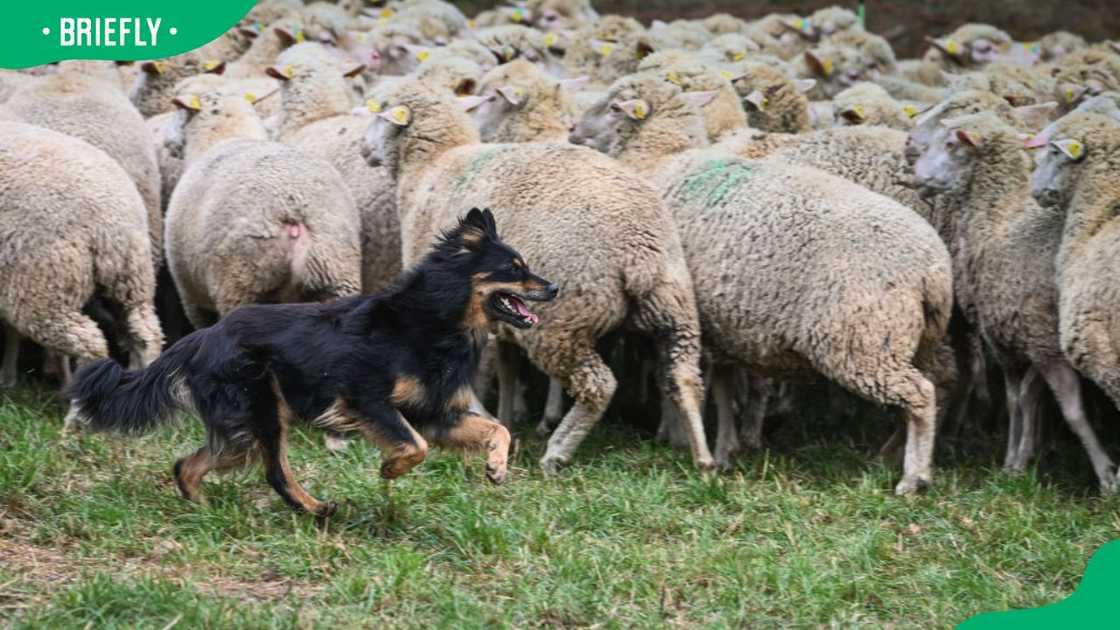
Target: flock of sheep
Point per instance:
(770, 199)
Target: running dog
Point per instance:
(395, 367)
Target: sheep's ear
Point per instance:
(189, 102)
(603, 47)
(971, 139)
(372, 106)
(290, 36)
(1037, 115)
(804, 85)
(1039, 140)
(819, 64)
(801, 26)
(699, 99)
(1073, 149)
(470, 102)
(1071, 93)
(284, 73)
(466, 87)
(154, 67)
(576, 84)
(420, 53)
(514, 95)
(756, 100)
(214, 66)
(353, 70)
(636, 108)
(855, 114)
(643, 49)
(400, 115)
(947, 45)
(251, 31)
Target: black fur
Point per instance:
(352, 350)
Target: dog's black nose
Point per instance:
(553, 291)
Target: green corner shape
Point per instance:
(1095, 603)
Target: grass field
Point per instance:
(92, 530)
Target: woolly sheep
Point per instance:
(1053, 46)
(773, 101)
(969, 46)
(1077, 176)
(724, 113)
(101, 115)
(1008, 244)
(515, 41)
(834, 68)
(300, 242)
(556, 15)
(519, 103)
(607, 49)
(73, 227)
(547, 196)
(155, 84)
(1016, 84)
(876, 49)
(868, 104)
(317, 119)
(763, 239)
(458, 74)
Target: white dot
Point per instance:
(46, 30)
(173, 31)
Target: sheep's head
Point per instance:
(972, 45)
(959, 144)
(639, 108)
(836, 67)
(519, 92)
(202, 120)
(928, 123)
(1076, 139)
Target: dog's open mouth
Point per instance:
(512, 308)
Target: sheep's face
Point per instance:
(494, 107)
(1056, 173)
(946, 164)
(926, 126)
(608, 125)
(381, 141)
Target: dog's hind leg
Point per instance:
(270, 426)
(190, 470)
(474, 433)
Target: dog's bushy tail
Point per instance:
(106, 397)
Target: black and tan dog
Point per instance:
(395, 367)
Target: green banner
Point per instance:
(115, 30)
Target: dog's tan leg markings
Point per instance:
(477, 434)
(398, 457)
(407, 391)
(190, 470)
(279, 471)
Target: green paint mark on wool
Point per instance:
(715, 179)
(476, 165)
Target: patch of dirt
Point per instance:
(50, 569)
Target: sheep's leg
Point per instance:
(671, 430)
(1030, 391)
(1013, 379)
(589, 381)
(146, 337)
(727, 438)
(9, 369)
(553, 408)
(508, 359)
(70, 333)
(1065, 384)
(757, 403)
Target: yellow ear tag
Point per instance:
(765, 102)
(799, 24)
(300, 36)
(252, 98)
(952, 47)
(550, 39)
(826, 65)
(160, 67)
(373, 106)
(738, 55)
(386, 13)
(673, 78)
(211, 64)
(910, 111)
(1074, 149)
(195, 102)
(400, 114)
(640, 111)
(862, 113)
(1069, 95)
(289, 71)
(605, 50)
(422, 55)
(472, 23)
(727, 74)
(516, 16)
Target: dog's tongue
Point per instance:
(519, 306)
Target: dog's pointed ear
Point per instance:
(491, 224)
(475, 228)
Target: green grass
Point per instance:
(92, 530)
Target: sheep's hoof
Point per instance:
(1014, 468)
(706, 465)
(911, 484)
(1110, 484)
(724, 463)
(553, 464)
